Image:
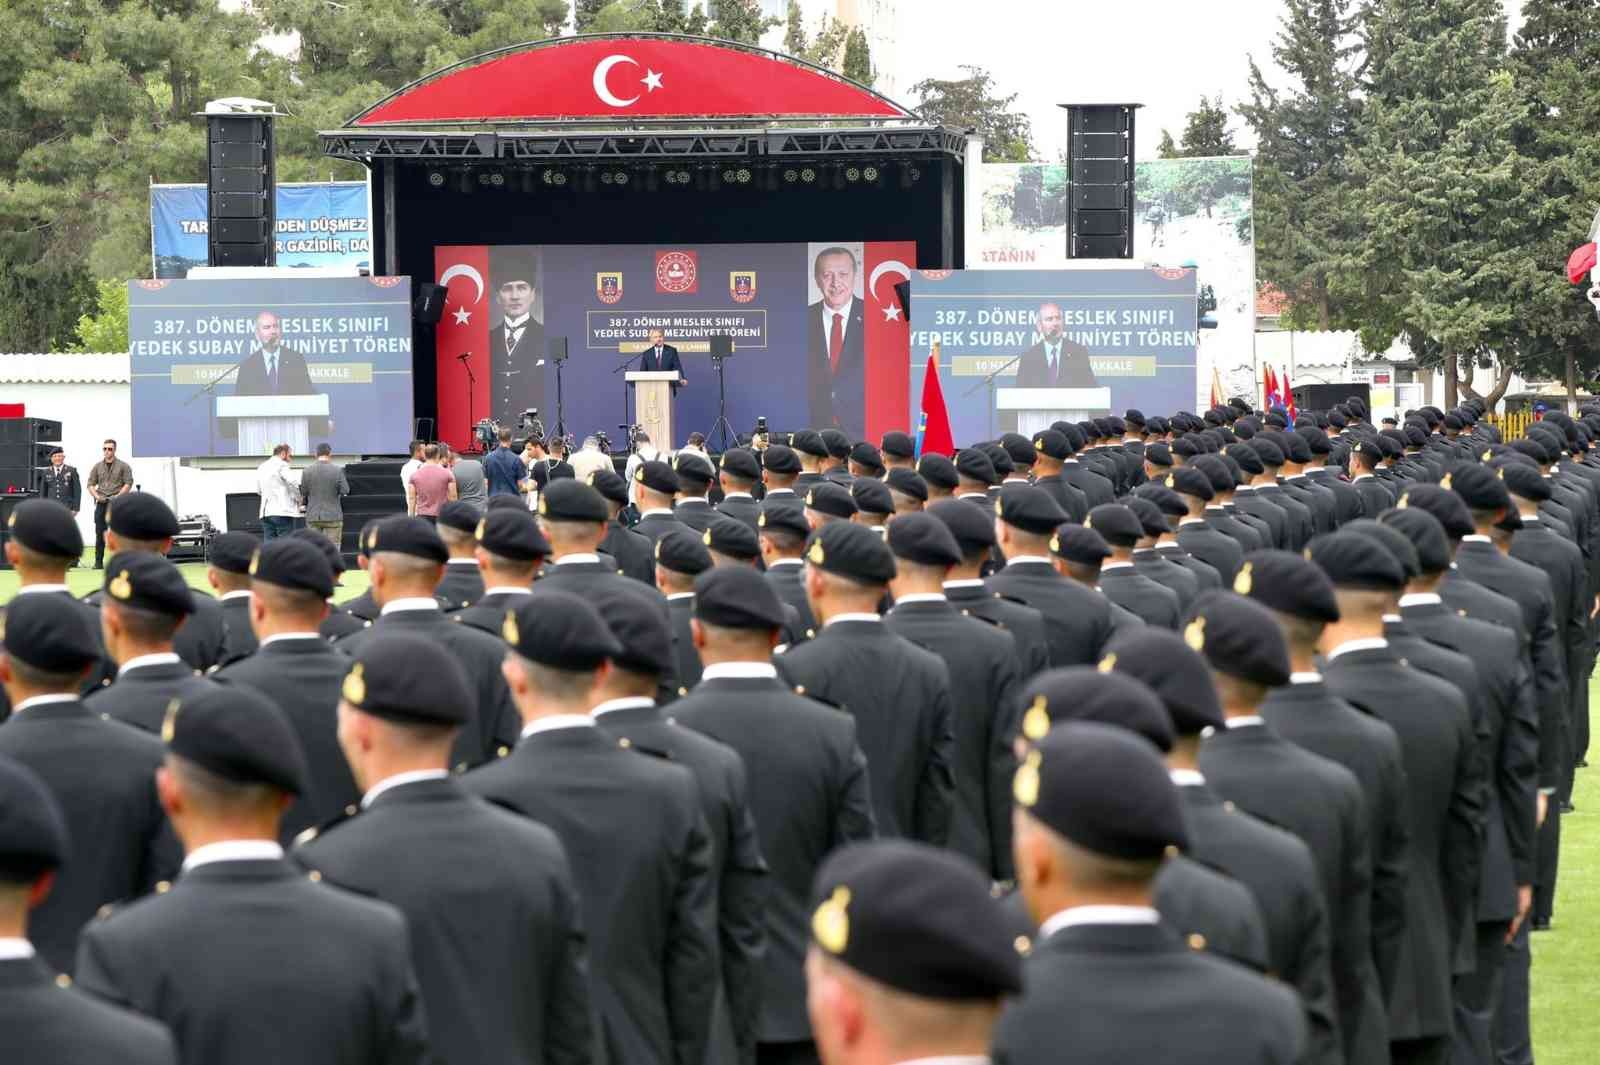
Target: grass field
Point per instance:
(86, 579)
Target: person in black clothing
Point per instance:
(1051, 452)
(1120, 580)
(510, 551)
(461, 585)
(655, 486)
(43, 543)
(964, 587)
(1077, 620)
(230, 555)
(738, 474)
(783, 530)
(680, 558)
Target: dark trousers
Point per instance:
(1513, 1037)
(276, 526)
(1477, 997)
(100, 533)
(803, 1053)
(1547, 862)
(1429, 1050)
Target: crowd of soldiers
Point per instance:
(1190, 739)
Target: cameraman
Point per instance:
(591, 458)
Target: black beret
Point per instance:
(644, 637)
(1217, 471)
(1415, 435)
(1531, 447)
(916, 919)
(974, 465)
(1397, 543)
(1158, 454)
(1085, 693)
(1187, 447)
(682, 551)
(938, 470)
(1288, 583)
(237, 733)
(499, 502)
(1295, 447)
(561, 630)
(1186, 480)
(1079, 543)
(1479, 487)
(1248, 457)
(1337, 419)
(1157, 492)
(141, 516)
(741, 463)
(972, 528)
(907, 483)
(1443, 504)
(407, 535)
(609, 483)
(826, 497)
(780, 458)
(923, 539)
(1526, 482)
(289, 562)
(1241, 638)
(49, 632)
(1171, 666)
(731, 537)
(837, 443)
(145, 581)
(513, 534)
(1074, 435)
(1316, 440)
(809, 442)
(871, 496)
(1134, 417)
(1030, 509)
(864, 454)
(657, 476)
(1277, 419)
(1052, 444)
(1453, 421)
(571, 501)
(1354, 561)
(737, 597)
(1021, 452)
(1104, 789)
(853, 551)
(459, 515)
(1151, 520)
(1120, 526)
(694, 472)
(1391, 448)
(1427, 537)
(783, 516)
(330, 550)
(1001, 460)
(33, 829)
(898, 444)
(404, 677)
(1156, 424)
(45, 526)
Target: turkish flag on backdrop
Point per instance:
(888, 337)
(462, 341)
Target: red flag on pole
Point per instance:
(1288, 397)
(1269, 385)
(933, 422)
(1216, 388)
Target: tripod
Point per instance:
(472, 386)
(561, 418)
(722, 425)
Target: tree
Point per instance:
(825, 49)
(584, 12)
(1205, 133)
(971, 103)
(858, 58)
(740, 21)
(106, 329)
(1168, 148)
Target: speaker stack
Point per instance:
(25, 445)
(241, 208)
(1100, 181)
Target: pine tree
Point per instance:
(1205, 134)
(794, 30)
(584, 12)
(741, 21)
(858, 58)
(971, 103)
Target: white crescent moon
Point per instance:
(601, 90)
(463, 270)
(890, 267)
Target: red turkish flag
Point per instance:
(933, 425)
(462, 341)
(887, 337)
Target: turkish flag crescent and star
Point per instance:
(888, 337)
(463, 331)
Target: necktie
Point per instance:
(272, 373)
(836, 341)
(1050, 357)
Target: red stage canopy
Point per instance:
(618, 78)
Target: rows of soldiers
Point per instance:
(1173, 739)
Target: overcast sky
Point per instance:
(1164, 54)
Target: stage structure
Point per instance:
(655, 141)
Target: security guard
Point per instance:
(510, 551)
(228, 573)
(898, 693)
(1106, 980)
(462, 584)
(101, 773)
(45, 1019)
(681, 556)
(495, 929)
(246, 958)
(973, 531)
(1077, 621)
(631, 826)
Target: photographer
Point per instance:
(592, 457)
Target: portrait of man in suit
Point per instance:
(275, 369)
(836, 343)
(1055, 361)
(660, 357)
(516, 335)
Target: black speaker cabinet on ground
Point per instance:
(29, 430)
(1100, 181)
(16, 480)
(241, 202)
(242, 510)
(1325, 397)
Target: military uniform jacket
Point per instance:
(695, 513)
(1262, 530)
(1136, 992)
(600, 582)
(1236, 528)
(303, 676)
(634, 553)
(788, 580)
(737, 866)
(899, 695)
(1077, 621)
(340, 622)
(1025, 624)
(202, 640)
(1320, 801)
(686, 659)
(657, 524)
(1347, 501)
(139, 696)
(495, 720)
(809, 793)
(1317, 497)
(1563, 562)
(47, 1024)
(1375, 495)
(1135, 592)
(461, 585)
(1095, 488)
(982, 663)
(1252, 501)
(1300, 525)
(253, 962)
(103, 775)
(1068, 497)
(363, 606)
(741, 507)
(496, 933)
(1205, 575)
(239, 637)
(1167, 573)
(489, 612)
(1221, 553)
(632, 830)
(1439, 749)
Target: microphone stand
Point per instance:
(472, 385)
(988, 382)
(210, 389)
(626, 392)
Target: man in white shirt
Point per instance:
(280, 494)
(411, 464)
(589, 459)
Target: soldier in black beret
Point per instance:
(731, 542)
(461, 585)
(340, 621)
(1051, 454)
(866, 461)
(228, 573)
(813, 452)
(1004, 469)
(1247, 466)
(1195, 533)
(681, 555)
(1174, 508)
(695, 477)
(616, 810)
(940, 474)
(1119, 580)
(1317, 497)
(1082, 550)
(899, 450)
(738, 473)
(975, 474)
(780, 470)
(511, 550)
(907, 489)
(44, 1018)
(833, 467)
(43, 542)
(633, 551)
(1077, 620)
(184, 956)
(1151, 562)
(423, 844)
(876, 924)
(973, 531)
(654, 489)
(1077, 845)
(782, 531)
(826, 502)
(874, 504)
(1375, 493)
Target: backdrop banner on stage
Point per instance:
(791, 363)
(1091, 341)
(322, 223)
(232, 367)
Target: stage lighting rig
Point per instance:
(436, 179)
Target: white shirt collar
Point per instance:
(922, 597)
(1419, 599)
(13, 949)
(779, 492)
(852, 617)
(398, 779)
(679, 595)
(1361, 477)
(555, 721)
(1078, 915)
(518, 323)
(775, 563)
(42, 700)
(970, 582)
(507, 589)
(461, 562)
(737, 495)
(234, 850)
(973, 495)
(632, 702)
(1370, 643)
(577, 557)
(290, 636)
(1188, 521)
(740, 671)
(161, 658)
(30, 589)
(656, 510)
(1476, 538)
(694, 499)
(416, 602)
(1109, 564)
(1186, 778)
(1244, 722)
(1027, 558)
(242, 593)
(1305, 677)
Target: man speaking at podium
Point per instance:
(1055, 362)
(661, 357)
(275, 370)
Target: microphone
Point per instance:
(464, 356)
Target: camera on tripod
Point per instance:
(603, 440)
(758, 439)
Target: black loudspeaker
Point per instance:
(18, 455)
(427, 307)
(17, 479)
(721, 346)
(557, 349)
(28, 430)
(902, 289)
(42, 453)
(242, 510)
(1326, 397)
(1100, 181)
(241, 202)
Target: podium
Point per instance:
(652, 406)
(1036, 408)
(264, 422)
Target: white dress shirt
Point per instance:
(280, 492)
(1077, 915)
(828, 314)
(557, 721)
(13, 948)
(160, 658)
(234, 850)
(740, 671)
(45, 700)
(1370, 643)
(410, 777)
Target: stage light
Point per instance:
(852, 174)
(560, 178)
(436, 178)
(729, 176)
(870, 173)
(497, 179)
(605, 177)
(621, 177)
(790, 176)
(808, 175)
(683, 177)
(743, 175)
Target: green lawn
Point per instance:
(86, 579)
